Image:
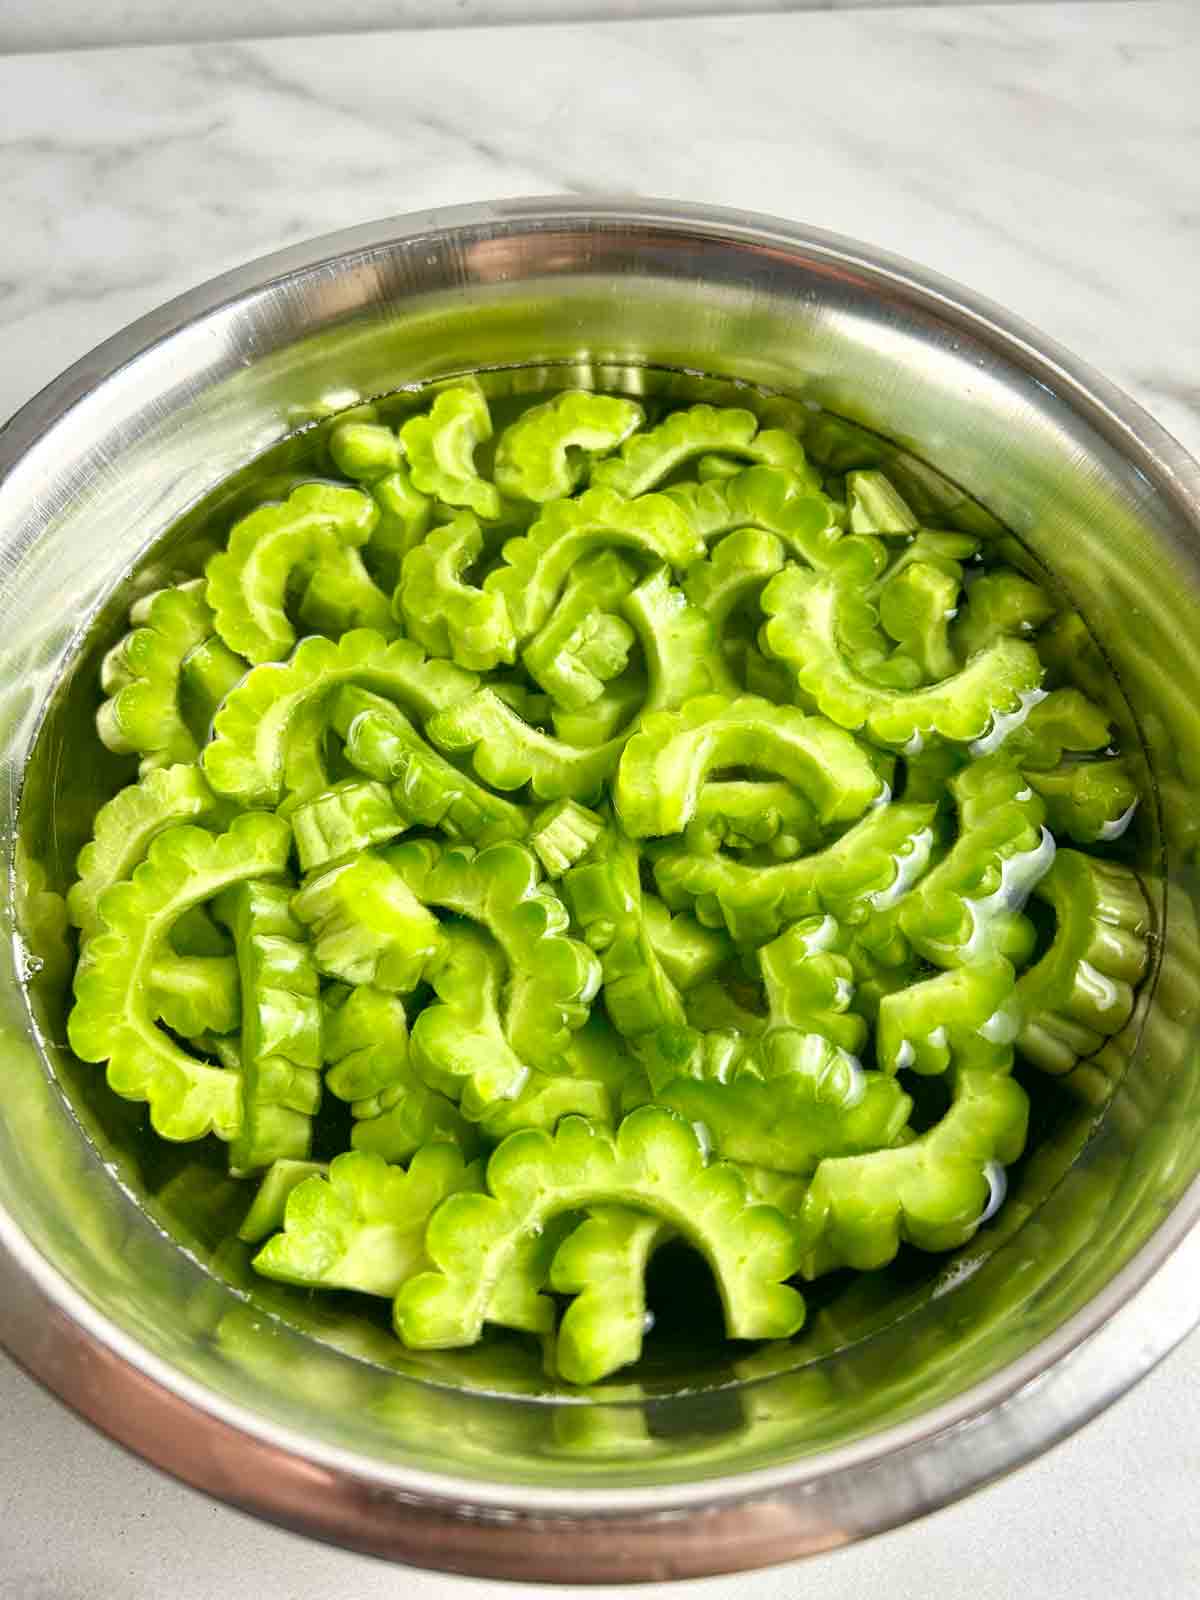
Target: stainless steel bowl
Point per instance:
(1095, 1272)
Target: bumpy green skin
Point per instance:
(426, 789)
(809, 981)
(367, 1058)
(440, 449)
(267, 737)
(605, 897)
(583, 645)
(194, 995)
(247, 583)
(953, 1019)
(269, 1205)
(123, 831)
(1081, 992)
(206, 675)
(540, 457)
(645, 459)
(552, 978)
(363, 1227)
(140, 675)
(562, 834)
(1092, 802)
(367, 926)
(601, 722)
(680, 642)
(459, 1045)
(340, 822)
(753, 814)
(665, 765)
(875, 505)
(281, 1026)
(807, 615)
(787, 505)
(788, 1103)
(871, 865)
(110, 1021)
(999, 602)
(537, 564)
(931, 1192)
(509, 753)
(915, 607)
(735, 571)
(968, 909)
(654, 1163)
(444, 612)
(602, 1264)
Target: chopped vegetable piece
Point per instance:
(363, 1226)
(804, 630)
(111, 1020)
(267, 1209)
(248, 582)
(655, 1163)
(602, 1263)
(444, 612)
(875, 505)
(562, 834)
(441, 449)
(367, 926)
(666, 763)
(343, 821)
(645, 459)
(542, 456)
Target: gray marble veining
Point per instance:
(70, 24)
(1046, 155)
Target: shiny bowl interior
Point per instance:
(903, 1392)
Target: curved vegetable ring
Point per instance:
(365, 1041)
(363, 1226)
(441, 446)
(281, 1026)
(1061, 721)
(803, 630)
(645, 459)
(269, 731)
(370, 453)
(666, 763)
(577, 650)
(552, 978)
(537, 564)
(1081, 992)
(795, 1100)
(738, 566)
(247, 582)
(688, 952)
(873, 864)
(654, 1163)
(141, 675)
(539, 455)
(110, 1021)
(124, 828)
(509, 753)
(680, 642)
(449, 616)
(932, 1192)
(602, 1264)
(969, 907)
(794, 510)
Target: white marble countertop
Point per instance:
(1047, 155)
